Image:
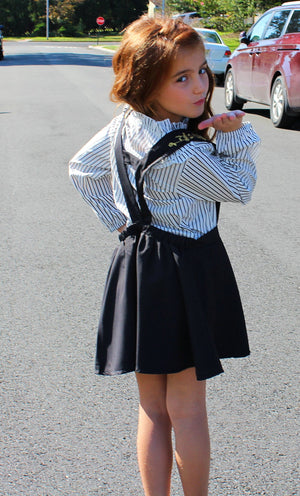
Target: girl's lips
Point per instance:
(200, 102)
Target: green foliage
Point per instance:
(78, 17)
(14, 15)
(232, 40)
(117, 13)
(216, 8)
(230, 23)
(39, 29)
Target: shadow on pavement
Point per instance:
(294, 126)
(57, 59)
(258, 111)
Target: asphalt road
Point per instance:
(65, 431)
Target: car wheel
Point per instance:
(232, 102)
(279, 104)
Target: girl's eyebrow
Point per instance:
(184, 71)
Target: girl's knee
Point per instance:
(186, 397)
(181, 413)
(152, 391)
(154, 416)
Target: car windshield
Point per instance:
(211, 37)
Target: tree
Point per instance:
(223, 15)
(207, 8)
(73, 17)
(62, 16)
(14, 16)
(117, 13)
(37, 14)
(203, 7)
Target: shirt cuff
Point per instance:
(234, 141)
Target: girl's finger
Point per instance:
(238, 113)
(206, 123)
(235, 114)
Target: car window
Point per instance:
(211, 37)
(258, 29)
(277, 24)
(294, 24)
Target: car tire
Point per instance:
(279, 104)
(232, 102)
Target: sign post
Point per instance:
(100, 21)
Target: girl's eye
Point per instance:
(182, 79)
(203, 70)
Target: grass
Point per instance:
(109, 47)
(230, 39)
(102, 39)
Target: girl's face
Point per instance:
(184, 90)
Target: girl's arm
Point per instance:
(90, 173)
(227, 173)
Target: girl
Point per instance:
(171, 307)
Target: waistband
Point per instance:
(170, 238)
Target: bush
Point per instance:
(229, 23)
(68, 30)
(39, 29)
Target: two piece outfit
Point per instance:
(170, 300)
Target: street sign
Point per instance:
(100, 21)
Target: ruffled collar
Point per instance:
(142, 132)
(164, 126)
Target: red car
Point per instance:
(265, 68)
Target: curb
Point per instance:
(102, 48)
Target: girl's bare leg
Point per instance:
(186, 405)
(154, 442)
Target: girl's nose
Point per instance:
(199, 84)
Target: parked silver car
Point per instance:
(217, 53)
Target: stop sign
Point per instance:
(100, 21)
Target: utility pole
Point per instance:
(47, 19)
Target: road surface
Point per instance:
(65, 431)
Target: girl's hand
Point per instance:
(229, 121)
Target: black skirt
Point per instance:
(169, 303)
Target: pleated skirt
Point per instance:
(169, 303)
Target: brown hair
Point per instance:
(143, 61)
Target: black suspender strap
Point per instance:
(132, 205)
(218, 206)
(167, 145)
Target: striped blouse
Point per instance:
(180, 190)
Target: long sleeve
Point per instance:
(227, 173)
(90, 172)
(181, 189)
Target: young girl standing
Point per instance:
(171, 308)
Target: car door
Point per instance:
(266, 57)
(291, 49)
(244, 55)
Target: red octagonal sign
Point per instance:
(100, 21)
